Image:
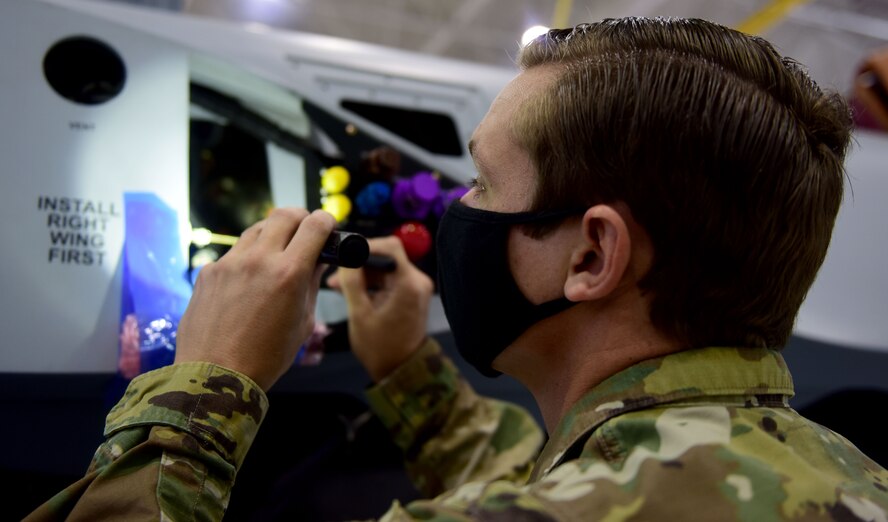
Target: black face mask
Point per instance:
(483, 304)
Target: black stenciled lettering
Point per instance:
(76, 222)
(67, 205)
(90, 240)
(74, 239)
(81, 125)
(47, 203)
(59, 238)
(74, 256)
(76, 229)
(89, 224)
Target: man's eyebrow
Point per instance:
(472, 147)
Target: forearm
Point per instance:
(174, 444)
(450, 435)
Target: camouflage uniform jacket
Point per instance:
(699, 435)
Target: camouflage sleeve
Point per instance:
(449, 434)
(173, 446)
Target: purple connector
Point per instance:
(413, 198)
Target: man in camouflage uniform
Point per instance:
(653, 202)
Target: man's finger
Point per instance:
(390, 246)
(306, 245)
(280, 226)
(333, 281)
(353, 286)
(315, 287)
(249, 236)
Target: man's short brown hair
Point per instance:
(727, 153)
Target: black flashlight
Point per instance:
(346, 249)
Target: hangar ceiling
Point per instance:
(830, 36)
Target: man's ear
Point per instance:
(601, 258)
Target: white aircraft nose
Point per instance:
(848, 304)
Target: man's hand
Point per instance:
(387, 323)
(252, 309)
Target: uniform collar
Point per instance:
(743, 373)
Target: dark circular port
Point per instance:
(84, 70)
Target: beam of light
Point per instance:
(202, 237)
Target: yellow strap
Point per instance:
(770, 15)
(561, 16)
